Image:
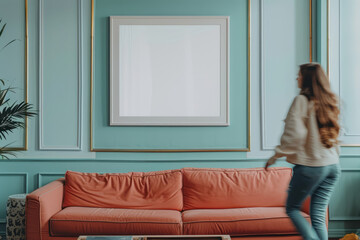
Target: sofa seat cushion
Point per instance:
(75, 221)
(239, 221)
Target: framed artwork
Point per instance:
(169, 71)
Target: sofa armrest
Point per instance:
(306, 206)
(41, 205)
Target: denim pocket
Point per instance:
(309, 172)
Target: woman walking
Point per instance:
(310, 142)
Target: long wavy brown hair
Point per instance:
(316, 87)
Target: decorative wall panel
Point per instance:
(60, 72)
(11, 183)
(284, 46)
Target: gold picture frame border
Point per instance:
(25, 83)
(92, 149)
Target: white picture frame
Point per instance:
(169, 71)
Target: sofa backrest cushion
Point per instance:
(209, 188)
(134, 190)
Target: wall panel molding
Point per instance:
(337, 233)
(343, 58)
(263, 82)
(116, 138)
(18, 79)
(349, 133)
(336, 217)
(44, 174)
(24, 174)
(25, 187)
(42, 144)
(160, 159)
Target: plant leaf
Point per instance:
(2, 29)
(8, 44)
(3, 99)
(12, 117)
(4, 152)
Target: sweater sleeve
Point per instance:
(295, 129)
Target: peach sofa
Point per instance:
(244, 203)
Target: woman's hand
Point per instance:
(270, 162)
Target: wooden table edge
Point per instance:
(223, 237)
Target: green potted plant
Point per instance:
(12, 114)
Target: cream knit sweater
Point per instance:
(300, 142)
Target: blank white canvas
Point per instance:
(169, 70)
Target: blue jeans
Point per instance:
(319, 183)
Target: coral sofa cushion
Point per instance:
(135, 190)
(239, 221)
(211, 188)
(75, 221)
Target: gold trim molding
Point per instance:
(25, 83)
(310, 29)
(92, 149)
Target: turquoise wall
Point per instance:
(13, 56)
(59, 87)
(233, 136)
